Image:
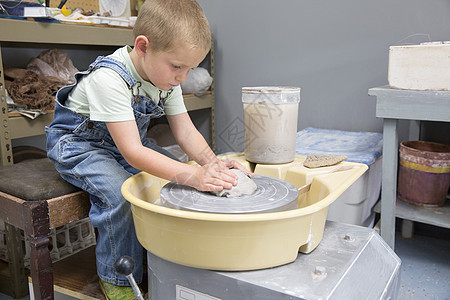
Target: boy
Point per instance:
(97, 139)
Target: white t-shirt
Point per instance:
(104, 96)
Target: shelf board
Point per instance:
(194, 102)
(411, 104)
(437, 216)
(22, 126)
(27, 31)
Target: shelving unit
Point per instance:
(15, 33)
(30, 32)
(436, 216)
(415, 106)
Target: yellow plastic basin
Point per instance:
(238, 242)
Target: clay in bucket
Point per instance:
(270, 119)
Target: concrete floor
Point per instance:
(425, 271)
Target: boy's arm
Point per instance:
(211, 177)
(193, 143)
(190, 140)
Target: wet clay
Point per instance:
(270, 132)
(245, 186)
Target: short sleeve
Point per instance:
(108, 96)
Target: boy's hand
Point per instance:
(213, 177)
(232, 164)
(216, 176)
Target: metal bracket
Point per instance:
(5, 141)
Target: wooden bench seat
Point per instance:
(35, 199)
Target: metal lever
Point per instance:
(125, 266)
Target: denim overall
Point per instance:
(85, 155)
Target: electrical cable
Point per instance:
(11, 7)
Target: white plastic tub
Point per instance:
(355, 205)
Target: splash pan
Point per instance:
(238, 242)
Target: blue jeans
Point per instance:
(85, 155)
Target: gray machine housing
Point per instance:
(351, 262)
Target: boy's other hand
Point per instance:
(232, 164)
(217, 176)
(214, 176)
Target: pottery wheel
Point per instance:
(271, 195)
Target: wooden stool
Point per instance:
(34, 198)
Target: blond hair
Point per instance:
(167, 22)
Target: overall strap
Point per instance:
(104, 61)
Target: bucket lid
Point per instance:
(271, 94)
(270, 89)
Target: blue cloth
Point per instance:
(360, 147)
(86, 156)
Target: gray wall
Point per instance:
(334, 50)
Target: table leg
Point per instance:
(407, 229)
(37, 229)
(414, 130)
(389, 181)
(414, 135)
(18, 285)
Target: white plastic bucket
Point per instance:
(270, 118)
